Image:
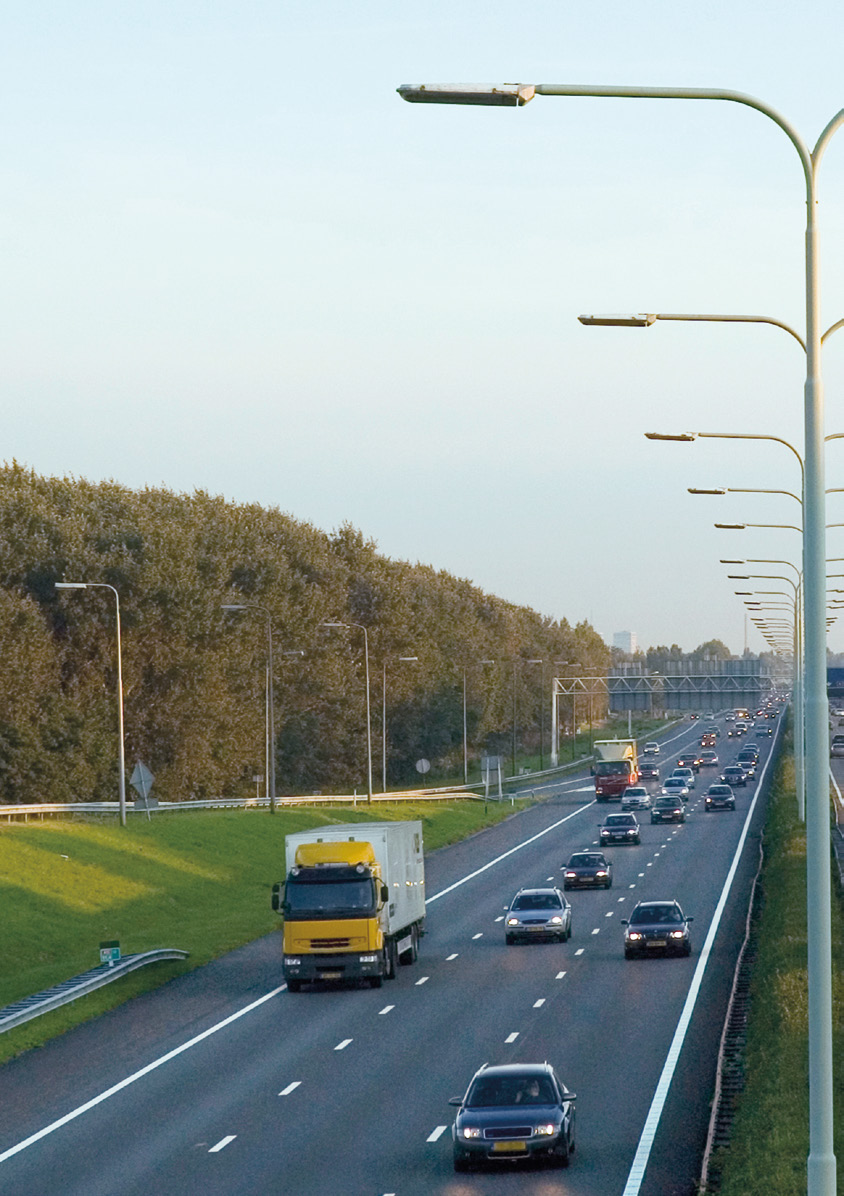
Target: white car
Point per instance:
(635, 797)
(687, 774)
(675, 787)
(651, 749)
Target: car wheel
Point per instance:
(687, 948)
(566, 888)
(294, 986)
(560, 1157)
(608, 885)
(376, 981)
(628, 954)
(461, 1163)
(638, 839)
(732, 805)
(510, 940)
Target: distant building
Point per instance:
(626, 641)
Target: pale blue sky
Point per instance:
(234, 259)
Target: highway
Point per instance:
(224, 1084)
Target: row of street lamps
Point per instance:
(821, 1162)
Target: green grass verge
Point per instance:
(199, 881)
(770, 1141)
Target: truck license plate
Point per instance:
(331, 975)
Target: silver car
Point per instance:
(538, 914)
(635, 797)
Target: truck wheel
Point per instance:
(376, 981)
(390, 959)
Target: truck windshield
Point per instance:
(330, 898)
(612, 768)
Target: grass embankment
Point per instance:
(770, 1141)
(199, 881)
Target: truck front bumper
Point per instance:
(342, 966)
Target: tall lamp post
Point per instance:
(541, 663)
(821, 1164)
(269, 704)
(384, 718)
(121, 761)
(360, 627)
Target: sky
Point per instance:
(235, 260)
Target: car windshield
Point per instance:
(638, 792)
(675, 783)
(666, 802)
(655, 913)
(586, 861)
(720, 790)
(619, 820)
(537, 901)
(489, 1092)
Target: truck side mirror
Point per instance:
(385, 893)
(278, 897)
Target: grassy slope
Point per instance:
(199, 881)
(770, 1140)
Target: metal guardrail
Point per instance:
(79, 986)
(446, 793)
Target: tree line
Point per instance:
(194, 676)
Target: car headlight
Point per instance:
(571, 876)
(632, 830)
(470, 1131)
(676, 934)
(546, 1130)
(512, 921)
(634, 935)
(601, 873)
(556, 920)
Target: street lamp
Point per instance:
(269, 704)
(360, 627)
(384, 718)
(121, 762)
(821, 1164)
(541, 662)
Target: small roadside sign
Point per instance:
(110, 952)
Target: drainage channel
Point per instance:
(730, 1077)
(79, 986)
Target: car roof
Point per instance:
(515, 1069)
(660, 904)
(543, 889)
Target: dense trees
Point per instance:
(194, 676)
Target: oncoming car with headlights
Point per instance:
(538, 914)
(657, 926)
(620, 828)
(514, 1112)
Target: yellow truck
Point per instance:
(353, 902)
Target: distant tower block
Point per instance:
(626, 641)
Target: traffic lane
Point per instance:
(452, 1018)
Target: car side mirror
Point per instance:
(456, 1100)
(570, 1096)
(625, 922)
(690, 919)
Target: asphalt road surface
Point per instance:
(222, 1083)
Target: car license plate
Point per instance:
(656, 942)
(508, 1147)
(331, 975)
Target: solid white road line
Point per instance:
(222, 1143)
(437, 1133)
(341, 1046)
(506, 854)
(97, 1100)
(643, 1150)
(290, 1088)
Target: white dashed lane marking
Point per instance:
(341, 1046)
(222, 1143)
(512, 1037)
(479, 935)
(386, 1009)
(559, 975)
(610, 912)
(580, 950)
(290, 1087)
(422, 980)
(597, 930)
(435, 1134)
(449, 958)
(538, 1004)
